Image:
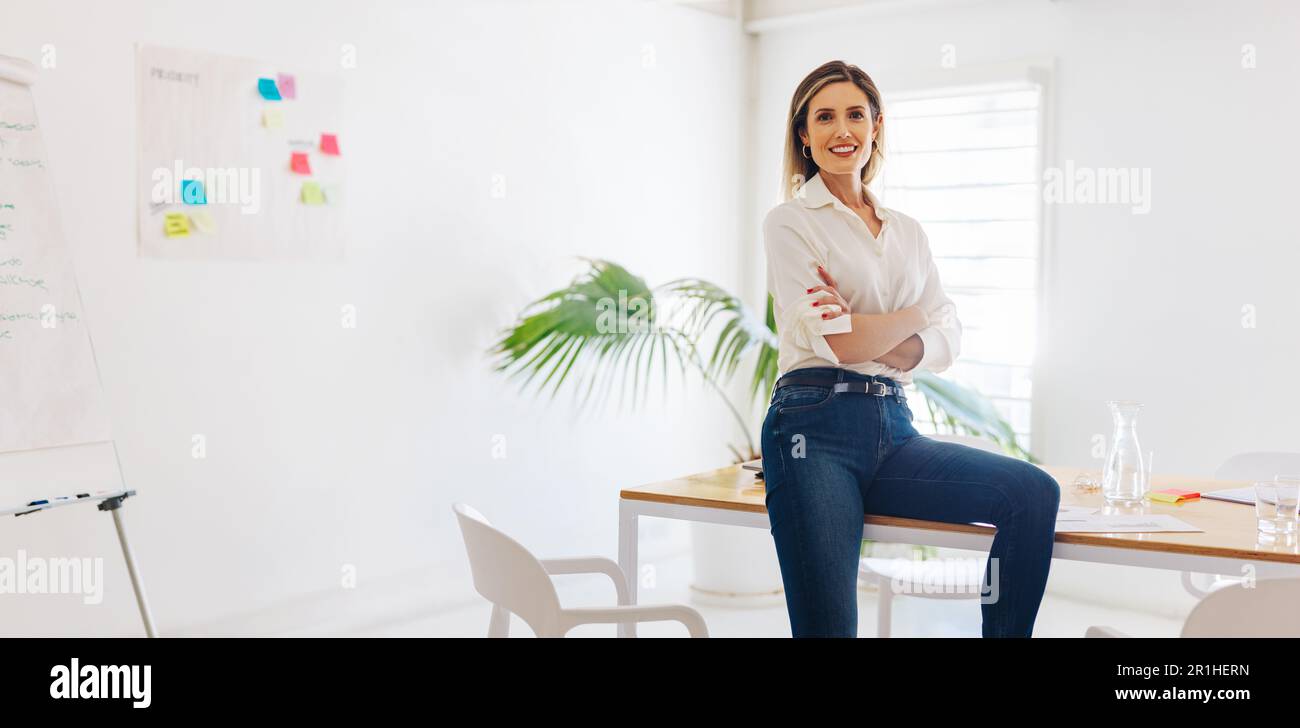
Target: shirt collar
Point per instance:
(814, 193)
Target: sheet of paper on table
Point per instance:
(1082, 522)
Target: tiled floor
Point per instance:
(913, 617)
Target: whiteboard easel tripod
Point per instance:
(111, 502)
(55, 399)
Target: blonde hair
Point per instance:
(798, 168)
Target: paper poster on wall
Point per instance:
(49, 386)
(233, 154)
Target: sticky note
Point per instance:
(192, 192)
(266, 87)
(311, 193)
(299, 163)
(333, 193)
(1172, 495)
(272, 118)
(288, 87)
(176, 225)
(203, 221)
(329, 144)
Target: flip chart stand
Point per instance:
(67, 367)
(112, 502)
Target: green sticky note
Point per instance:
(176, 225)
(312, 194)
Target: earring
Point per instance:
(807, 152)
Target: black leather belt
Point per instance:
(879, 389)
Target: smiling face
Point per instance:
(840, 128)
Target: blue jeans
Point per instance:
(830, 458)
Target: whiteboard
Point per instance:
(203, 116)
(50, 394)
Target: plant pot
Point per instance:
(735, 566)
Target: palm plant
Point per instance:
(608, 324)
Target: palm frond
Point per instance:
(704, 303)
(607, 326)
(605, 316)
(966, 410)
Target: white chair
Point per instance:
(1264, 609)
(911, 576)
(1248, 466)
(1262, 465)
(515, 581)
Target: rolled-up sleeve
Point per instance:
(942, 337)
(792, 261)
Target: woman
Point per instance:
(859, 307)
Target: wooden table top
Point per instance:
(1230, 529)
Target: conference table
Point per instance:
(1228, 544)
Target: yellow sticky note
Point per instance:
(1172, 495)
(272, 118)
(176, 225)
(311, 193)
(203, 221)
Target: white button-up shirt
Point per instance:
(876, 274)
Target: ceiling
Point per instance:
(761, 15)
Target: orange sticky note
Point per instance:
(329, 144)
(298, 163)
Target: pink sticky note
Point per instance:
(329, 144)
(299, 163)
(288, 88)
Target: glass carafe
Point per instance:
(1125, 477)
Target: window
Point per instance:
(965, 163)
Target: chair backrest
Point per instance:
(970, 441)
(506, 573)
(1266, 608)
(1261, 465)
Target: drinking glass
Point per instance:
(1276, 504)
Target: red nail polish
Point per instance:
(808, 291)
(823, 315)
(817, 303)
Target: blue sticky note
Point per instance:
(192, 192)
(268, 89)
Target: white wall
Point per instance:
(328, 446)
(1145, 307)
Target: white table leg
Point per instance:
(627, 558)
